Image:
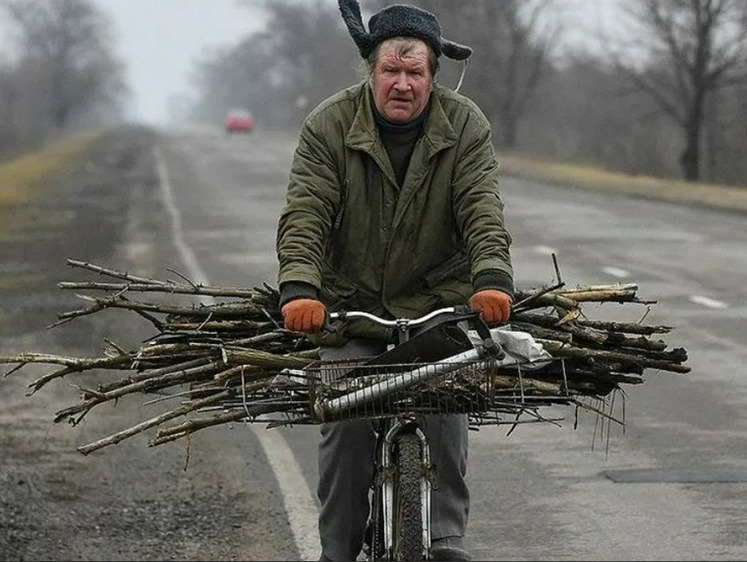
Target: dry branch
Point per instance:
(227, 358)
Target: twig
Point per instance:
(147, 424)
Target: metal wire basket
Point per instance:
(487, 392)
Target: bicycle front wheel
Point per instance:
(408, 506)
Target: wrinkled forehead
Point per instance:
(404, 47)
(404, 51)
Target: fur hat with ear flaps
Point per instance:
(398, 20)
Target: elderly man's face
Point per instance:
(401, 80)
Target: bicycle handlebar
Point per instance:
(404, 324)
(399, 322)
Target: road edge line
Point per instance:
(298, 501)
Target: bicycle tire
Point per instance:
(408, 514)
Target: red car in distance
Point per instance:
(239, 121)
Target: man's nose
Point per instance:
(401, 83)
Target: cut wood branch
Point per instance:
(232, 357)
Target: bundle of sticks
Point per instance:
(225, 357)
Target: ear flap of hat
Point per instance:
(455, 50)
(351, 15)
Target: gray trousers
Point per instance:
(346, 470)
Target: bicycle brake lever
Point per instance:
(490, 347)
(328, 326)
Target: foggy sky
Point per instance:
(159, 41)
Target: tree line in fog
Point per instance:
(62, 75)
(665, 96)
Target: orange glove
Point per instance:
(304, 315)
(494, 305)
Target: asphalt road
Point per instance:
(672, 486)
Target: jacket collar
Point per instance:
(362, 135)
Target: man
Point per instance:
(392, 208)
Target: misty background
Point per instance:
(656, 87)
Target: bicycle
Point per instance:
(394, 389)
(445, 362)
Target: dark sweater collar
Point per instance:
(400, 128)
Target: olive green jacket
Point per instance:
(350, 231)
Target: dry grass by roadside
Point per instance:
(712, 195)
(31, 211)
(24, 182)
(20, 178)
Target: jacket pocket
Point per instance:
(456, 267)
(337, 290)
(340, 214)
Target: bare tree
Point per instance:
(515, 45)
(687, 50)
(70, 40)
(302, 56)
(8, 135)
(317, 55)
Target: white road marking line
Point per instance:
(177, 232)
(616, 272)
(298, 500)
(545, 250)
(707, 301)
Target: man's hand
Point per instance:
(494, 305)
(304, 315)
